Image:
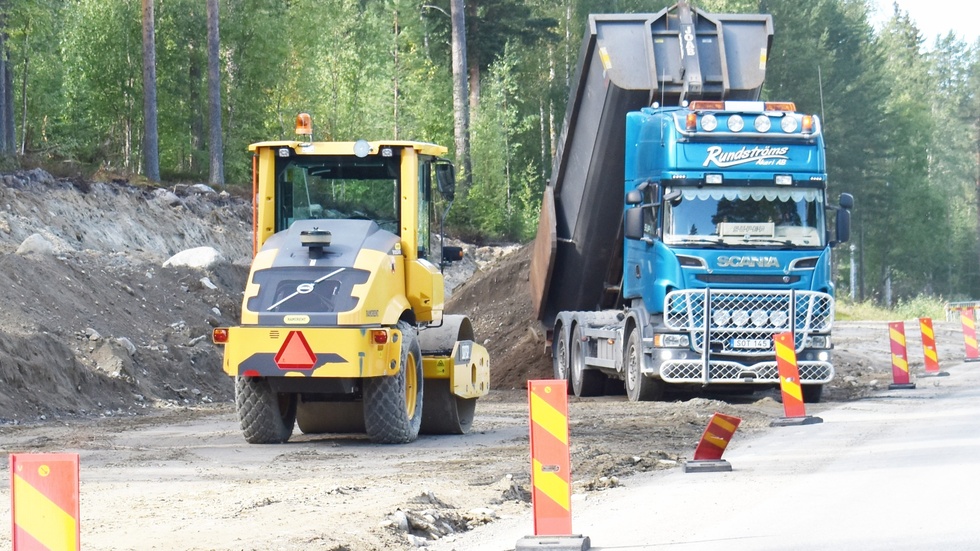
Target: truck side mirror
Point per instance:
(846, 201)
(451, 254)
(843, 225)
(446, 180)
(633, 223)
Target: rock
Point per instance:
(401, 520)
(198, 257)
(167, 197)
(202, 189)
(114, 361)
(207, 283)
(37, 244)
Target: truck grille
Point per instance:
(743, 322)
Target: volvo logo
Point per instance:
(748, 262)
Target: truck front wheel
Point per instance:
(812, 393)
(393, 405)
(266, 416)
(638, 387)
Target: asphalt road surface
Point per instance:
(899, 470)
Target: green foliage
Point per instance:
(901, 117)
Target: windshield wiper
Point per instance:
(758, 240)
(696, 240)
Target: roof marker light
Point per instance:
(304, 125)
(692, 121)
(780, 106)
(807, 124)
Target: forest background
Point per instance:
(900, 111)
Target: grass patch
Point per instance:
(917, 307)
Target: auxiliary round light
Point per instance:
(789, 124)
(709, 123)
(778, 318)
(762, 123)
(721, 318)
(740, 317)
(759, 318)
(736, 123)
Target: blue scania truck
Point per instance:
(686, 222)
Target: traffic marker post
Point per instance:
(929, 349)
(717, 435)
(969, 323)
(44, 501)
(551, 477)
(789, 384)
(900, 358)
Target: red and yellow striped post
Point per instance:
(44, 501)
(969, 322)
(929, 348)
(717, 435)
(551, 483)
(900, 358)
(929, 345)
(789, 383)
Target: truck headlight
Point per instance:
(671, 340)
(818, 341)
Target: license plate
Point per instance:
(750, 343)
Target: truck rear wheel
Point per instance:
(638, 387)
(560, 359)
(266, 416)
(444, 412)
(585, 382)
(393, 405)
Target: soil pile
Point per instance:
(498, 302)
(94, 319)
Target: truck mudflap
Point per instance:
(312, 351)
(737, 327)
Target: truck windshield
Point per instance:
(744, 216)
(337, 187)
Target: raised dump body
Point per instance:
(627, 62)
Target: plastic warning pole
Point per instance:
(789, 384)
(717, 435)
(929, 348)
(900, 358)
(550, 465)
(44, 501)
(969, 322)
(551, 477)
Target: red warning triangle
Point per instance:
(295, 353)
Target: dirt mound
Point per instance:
(498, 302)
(93, 321)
